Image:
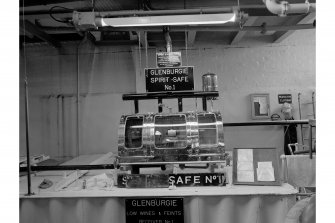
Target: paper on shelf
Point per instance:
(264, 164)
(245, 155)
(245, 176)
(265, 174)
(263, 108)
(245, 165)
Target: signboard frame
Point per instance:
(282, 98)
(154, 209)
(160, 59)
(169, 79)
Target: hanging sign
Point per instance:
(169, 79)
(168, 59)
(282, 98)
(155, 210)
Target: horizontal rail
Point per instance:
(171, 162)
(170, 94)
(69, 167)
(303, 152)
(258, 123)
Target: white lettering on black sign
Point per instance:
(155, 210)
(201, 179)
(169, 79)
(282, 98)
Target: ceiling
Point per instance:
(50, 21)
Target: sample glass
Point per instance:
(170, 131)
(133, 134)
(207, 130)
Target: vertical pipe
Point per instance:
(139, 52)
(78, 105)
(78, 97)
(310, 141)
(27, 136)
(313, 101)
(186, 40)
(301, 133)
(167, 39)
(146, 48)
(58, 123)
(63, 126)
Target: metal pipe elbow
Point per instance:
(282, 8)
(276, 7)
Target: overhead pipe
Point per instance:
(167, 39)
(282, 8)
(259, 123)
(78, 139)
(26, 108)
(191, 28)
(69, 167)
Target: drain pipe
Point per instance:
(78, 95)
(282, 8)
(167, 39)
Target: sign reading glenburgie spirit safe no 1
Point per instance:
(169, 79)
(155, 210)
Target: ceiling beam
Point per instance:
(34, 30)
(240, 34)
(191, 37)
(27, 3)
(281, 35)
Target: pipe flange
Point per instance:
(286, 5)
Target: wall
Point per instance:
(108, 72)
(104, 73)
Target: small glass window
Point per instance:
(133, 134)
(207, 130)
(170, 131)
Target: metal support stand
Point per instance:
(205, 95)
(136, 106)
(312, 124)
(180, 104)
(27, 138)
(160, 105)
(69, 167)
(301, 131)
(204, 104)
(313, 104)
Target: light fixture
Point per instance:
(168, 20)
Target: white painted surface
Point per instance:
(73, 191)
(197, 209)
(285, 189)
(239, 204)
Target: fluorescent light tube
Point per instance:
(173, 20)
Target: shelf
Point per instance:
(170, 94)
(256, 123)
